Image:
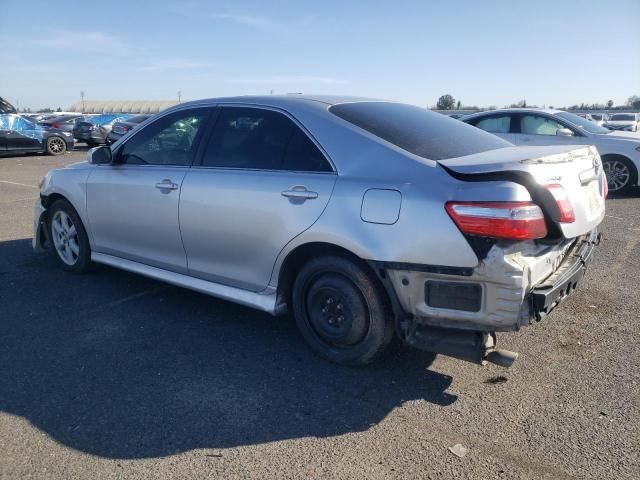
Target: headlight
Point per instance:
(638, 149)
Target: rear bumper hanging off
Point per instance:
(549, 294)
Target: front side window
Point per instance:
(260, 139)
(538, 125)
(494, 123)
(170, 140)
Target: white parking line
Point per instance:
(17, 183)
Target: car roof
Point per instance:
(284, 101)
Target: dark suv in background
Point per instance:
(121, 127)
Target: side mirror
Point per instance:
(100, 156)
(564, 132)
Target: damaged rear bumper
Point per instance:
(512, 286)
(546, 296)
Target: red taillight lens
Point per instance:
(126, 128)
(562, 200)
(56, 125)
(507, 220)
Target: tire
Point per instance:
(56, 145)
(621, 174)
(342, 310)
(68, 236)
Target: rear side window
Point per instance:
(417, 130)
(493, 124)
(260, 139)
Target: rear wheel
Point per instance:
(621, 174)
(56, 146)
(341, 310)
(68, 237)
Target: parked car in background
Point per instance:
(628, 122)
(365, 219)
(89, 130)
(19, 135)
(586, 116)
(39, 117)
(6, 107)
(599, 118)
(121, 127)
(62, 122)
(620, 151)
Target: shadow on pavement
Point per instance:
(120, 366)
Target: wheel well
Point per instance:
(49, 199)
(302, 254)
(627, 160)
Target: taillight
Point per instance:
(507, 220)
(562, 200)
(56, 125)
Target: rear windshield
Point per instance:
(138, 119)
(417, 130)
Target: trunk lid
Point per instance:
(577, 169)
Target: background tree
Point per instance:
(458, 105)
(609, 103)
(446, 102)
(633, 101)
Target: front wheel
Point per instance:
(341, 310)
(56, 146)
(621, 174)
(68, 237)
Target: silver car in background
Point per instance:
(366, 219)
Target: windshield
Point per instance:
(417, 130)
(623, 116)
(583, 123)
(596, 116)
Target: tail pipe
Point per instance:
(470, 346)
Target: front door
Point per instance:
(542, 129)
(133, 205)
(261, 182)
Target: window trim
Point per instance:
(209, 133)
(210, 113)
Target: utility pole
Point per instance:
(179, 96)
(82, 97)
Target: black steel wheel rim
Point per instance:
(337, 312)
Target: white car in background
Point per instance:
(599, 118)
(620, 150)
(628, 122)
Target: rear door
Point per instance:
(500, 124)
(261, 181)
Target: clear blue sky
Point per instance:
(482, 52)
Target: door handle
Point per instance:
(167, 184)
(299, 192)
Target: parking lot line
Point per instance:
(18, 183)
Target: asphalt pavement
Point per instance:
(112, 375)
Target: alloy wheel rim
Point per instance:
(65, 238)
(56, 145)
(618, 174)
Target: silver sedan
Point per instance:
(366, 219)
